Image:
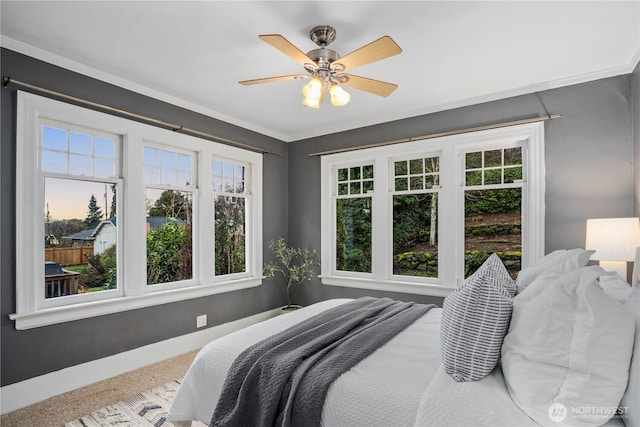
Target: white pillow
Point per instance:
(475, 319)
(615, 286)
(568, 344)
(631, 398)
(558, 261)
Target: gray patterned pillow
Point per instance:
(475, 320)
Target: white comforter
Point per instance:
(398, 385)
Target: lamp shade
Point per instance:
(613, 239)
(339, 96)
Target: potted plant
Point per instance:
(294, 264)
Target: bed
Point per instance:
(403, 383)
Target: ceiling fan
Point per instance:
(326, 68)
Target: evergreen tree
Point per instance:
(95, 213)
(113, 201)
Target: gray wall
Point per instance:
(589, 170)
(636, 135)
(29, 353)
(589, 174)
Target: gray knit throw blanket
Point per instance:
(283, 380)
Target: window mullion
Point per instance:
(134, 216)
(381, 241)
(205, 226)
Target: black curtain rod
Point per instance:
(8, 81)
(440, 134)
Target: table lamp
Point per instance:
(614, 241)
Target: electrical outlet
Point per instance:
(201, 321)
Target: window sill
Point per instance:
(388, 285)
(51, 316)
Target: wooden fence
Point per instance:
(68, 256)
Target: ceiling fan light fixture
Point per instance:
(313, 89)
(311, 103)
(339, 96)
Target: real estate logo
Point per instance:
(557, 412)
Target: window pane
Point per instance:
(492, 158)
(354, 173)
(415, 237)
(343, 175)
(415, 166)
(512, 174)
(513, 156)
(169, 159)
(81, 143)
(432, 165)
(184, 162)
(228, 177)
(493, 176)
(104, 147)
(54, 161)
(79, 165)
(416, 182)
(473, 178)
(367, 172)
(216, 168)
(343, 189)
(184, 178)
(493, 224)
(54, 139)
(80, 244)
(473, 160)
(151, 174)
(401, 184)
(367, 186)
(169, 236)
(353, 239)
(354, 188)
(151, 156)
(400, 168)
(169, 177)
(230, 238)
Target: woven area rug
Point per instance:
(148, 408)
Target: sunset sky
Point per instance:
(69, 199)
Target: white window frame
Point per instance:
(32, 111)
(248, 203)
(451, 149)
(192, 188)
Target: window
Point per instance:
(115, 215)
(78, 167)
(439, 208)
(169, 180)
(229, 180)
(353, 218)
(414, 193)
(493, 207)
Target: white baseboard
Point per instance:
(34, 390)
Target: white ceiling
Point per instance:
(454, 53)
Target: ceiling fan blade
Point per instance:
(286, 47)
(273, 79)
(382, 48)
(375, 87)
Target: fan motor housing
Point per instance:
(323, 56)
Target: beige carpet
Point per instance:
(61, 409)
